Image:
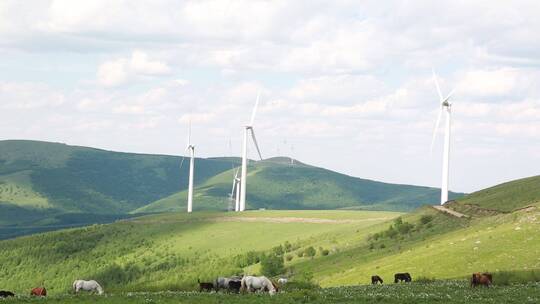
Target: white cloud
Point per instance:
(119, 71)
(29, 96)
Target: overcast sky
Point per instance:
(345, 85)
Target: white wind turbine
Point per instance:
(235, 195)
(446, 107)
(191, 149)
(247, 129)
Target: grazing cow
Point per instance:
(262, 283)
(402, 277)
(205, 286)
(376, 279)
(91, 286)
(223, 282)
(234, 286)
(484, 279)
(5, 294)
(38, 291)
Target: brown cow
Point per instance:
(38, 291)
(484, 279)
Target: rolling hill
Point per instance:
(171, 251)
(53, 185)
(506, 197)
(276, 184)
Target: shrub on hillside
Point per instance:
(310, 252)
(272, 265)
(426, 218)
(278, 250)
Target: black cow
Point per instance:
(5, 294)
(235, 286)
(400, 277)
(376, 279)
(205, 286)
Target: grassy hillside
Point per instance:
(40, 181)
(275, 184)
(505, 197)
(173, 250)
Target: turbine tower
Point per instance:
(191, 149)
(243, 179)
(446, 107)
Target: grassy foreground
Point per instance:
(437, 292)
(172, 251)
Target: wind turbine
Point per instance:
(191, 149)
(243, 179)
(235, 195)
(446, 107)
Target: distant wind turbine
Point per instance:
(446, 107)
(235, 195)
(191, 149)
(243, 179)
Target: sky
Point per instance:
(345, 85)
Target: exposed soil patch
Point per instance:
(295, 220)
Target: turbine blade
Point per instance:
(182, 161)
(435, 130)
(254, 109)
(255, 142)
(450, 95)
(233, 187)
(437, 84)
(189, 134)
(183, 156)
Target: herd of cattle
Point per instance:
(248, 284)
(477, 279)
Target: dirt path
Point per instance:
(450, 211)
(296, 220)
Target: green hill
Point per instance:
(276, 184)
(505, 197)
(51, 184)
(42, 183)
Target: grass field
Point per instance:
(439, 292)
(171, 251)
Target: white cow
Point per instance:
(87, 286)
(252, 284)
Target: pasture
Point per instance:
(437, 292)
(172, 251)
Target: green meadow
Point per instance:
(437, 292)
(172, 251)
